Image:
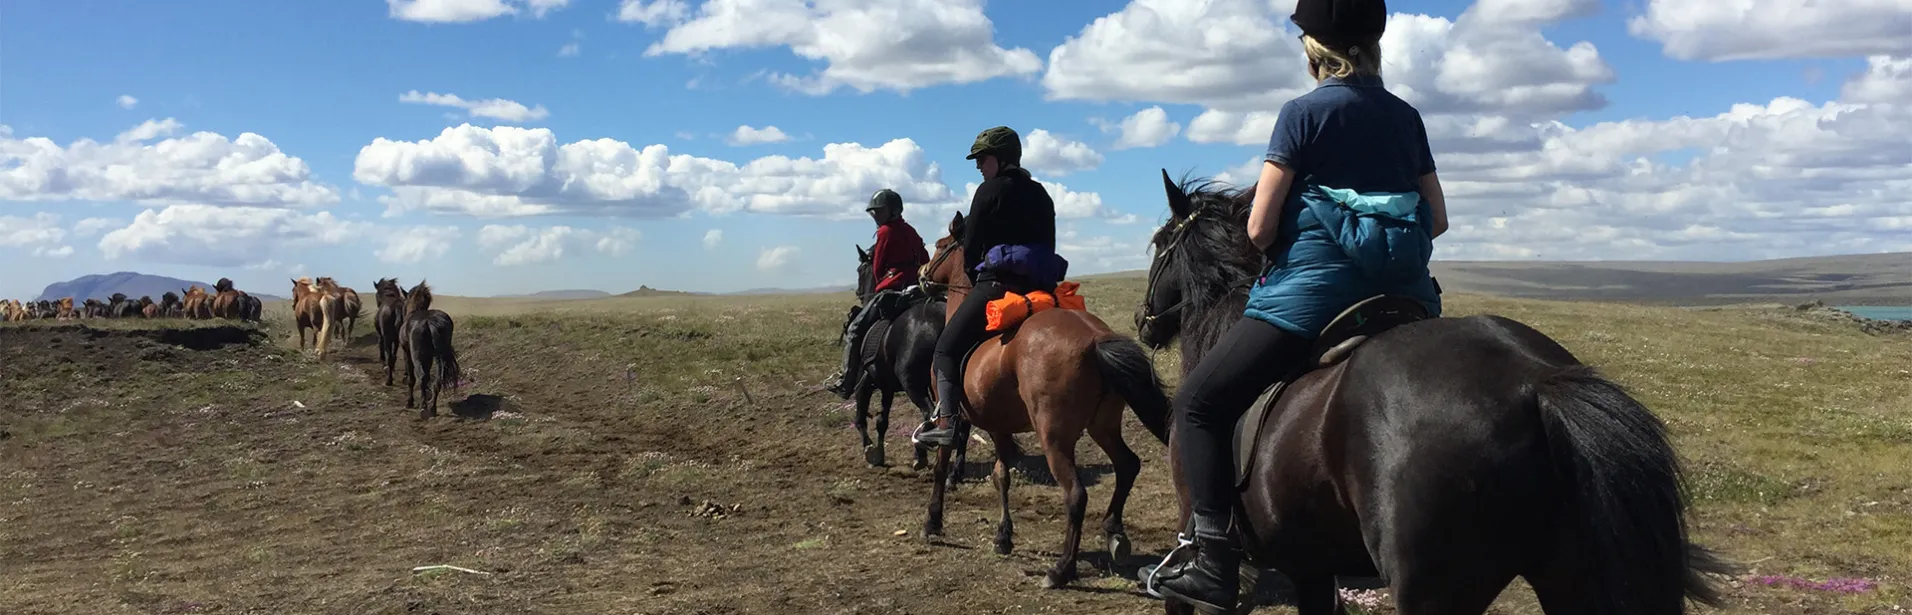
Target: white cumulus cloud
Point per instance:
(1146, 128)
(494, 108)
(1050, 154)
(415, 244)
(194, 234)
(899, 45)
(511, 171)
(713, 238)
(465, 11)
(748, 135)
(40, 234)
(126, 102)
(524, 245)
(1765, 29)
(138, 165)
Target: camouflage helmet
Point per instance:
(885, 198)
(1001, 142)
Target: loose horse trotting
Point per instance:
(1061, 373)
(426, 341)
(1446, 455)
(387, 322)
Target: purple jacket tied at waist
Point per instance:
(1039, 265)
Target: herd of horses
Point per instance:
(407, 326)
(193, 302)
(1445, 455)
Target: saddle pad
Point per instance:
(1248, 430)
(873, 340)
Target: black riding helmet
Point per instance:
(1341, 24)
(885, 198)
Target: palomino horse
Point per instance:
(1446, 455)
(387, 322)
(1059, 374)
(426, 339)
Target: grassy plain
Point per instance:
(672, 455)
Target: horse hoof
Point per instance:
(873, 456)
(1056, 579)
(1004, 547)
(1119, 547)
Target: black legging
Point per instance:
(1249, 357)
(965, 328)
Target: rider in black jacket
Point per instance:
(1009, 243)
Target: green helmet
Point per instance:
(1001, 142)
(885, 198)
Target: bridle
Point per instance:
(1161, 259)
(932, 286)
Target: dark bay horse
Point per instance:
(426, 341)
(1059, 374)
(387, 321)
(1448, 455)
(898, 353)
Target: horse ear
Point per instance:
(1178, 202)
(860, 254)
(956, 225)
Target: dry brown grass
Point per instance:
(138, 477)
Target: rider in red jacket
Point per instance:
(895, 264)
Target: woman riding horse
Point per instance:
(1009, 244)
(895, 264)
(1347, 146)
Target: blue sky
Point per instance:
(1565, 129)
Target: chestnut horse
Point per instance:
(1446, 455)
(228, 302)
(1058, 374)
(307, 313)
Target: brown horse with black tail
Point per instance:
(388, 321)
(1060, 373)
(1446, 455)
(426, 341)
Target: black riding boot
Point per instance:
(843, 383)
(948, 393)
(1210, 580)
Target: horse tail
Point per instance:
(1126, 367)
(328, 311)
(448, 371)
(1628, 489)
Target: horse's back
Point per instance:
(1412, 431)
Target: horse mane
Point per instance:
(169, 298)
(419, 298)
(1214, 259)
(223, 285)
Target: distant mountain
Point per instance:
(560, 294)
(129, 283)
(646, 291)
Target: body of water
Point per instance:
(1881, 312)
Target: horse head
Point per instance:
(1203, 260)
(223, 285)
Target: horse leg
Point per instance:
(1006, 530)
(428, 409)
(862, 421)
(1314, 595)
(933, 527)
(918, 393)
(882, 429)
(1108, 435)
(1060, 450)
(962, 456)
(411, 377)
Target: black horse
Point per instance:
(387, 322)
(895, 358)
(1446, 455)
(426, 339)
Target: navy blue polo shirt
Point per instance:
(1354, 134)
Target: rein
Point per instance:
(1149, 315)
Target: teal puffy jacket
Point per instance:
(1337, 247)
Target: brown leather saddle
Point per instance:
(1338, 341)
